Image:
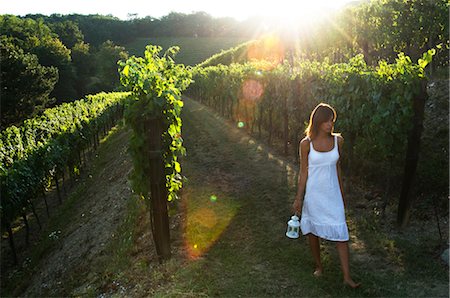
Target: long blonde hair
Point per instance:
(321, 113)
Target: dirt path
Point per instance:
(92, 222)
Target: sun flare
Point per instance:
(287, 12)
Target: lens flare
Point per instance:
(206, 219)
(251, 93)
(252, 90)
(269, 49)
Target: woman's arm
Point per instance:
(338, 165)
(303, 176)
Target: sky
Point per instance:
(237, 9)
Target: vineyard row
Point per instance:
(43, 149)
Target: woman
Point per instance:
(323, 214)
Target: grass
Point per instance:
(106, 269)
(192, 50)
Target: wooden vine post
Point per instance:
(412, 155)
(158, 211)
(413, 147)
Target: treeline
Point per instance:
(377, 29)
(98, 28)
(44, 64)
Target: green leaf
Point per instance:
(177, 167)
(422, 63)
(125, 70)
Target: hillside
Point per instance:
(193, 50)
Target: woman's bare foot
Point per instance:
(318, 272)
(349, 282)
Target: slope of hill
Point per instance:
(193, 50)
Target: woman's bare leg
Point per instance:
(342, 248)
(314, 244)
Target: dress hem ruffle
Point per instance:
(329, 232)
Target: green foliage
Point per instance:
(52, 52)
(43, 147)
(378, 29)
(35, 37)
(106, 71)
(58, 43)
(84, 67)
(237, 54)
(156, 84)
(23, 30)
(28, 93)
(381, 28)
(433, 168)
(68, 32)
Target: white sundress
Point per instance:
(323, 208)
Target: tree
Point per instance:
(22, 30)
(52, 52)
(68, 32)
(35, 37)
(106, 66)
(84, 66)
(25, 84)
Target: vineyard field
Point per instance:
(193, 50)
(133, 165)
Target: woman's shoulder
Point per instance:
(339, 137)
(305, 142)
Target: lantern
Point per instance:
(293, 228)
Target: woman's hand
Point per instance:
(297, 206)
